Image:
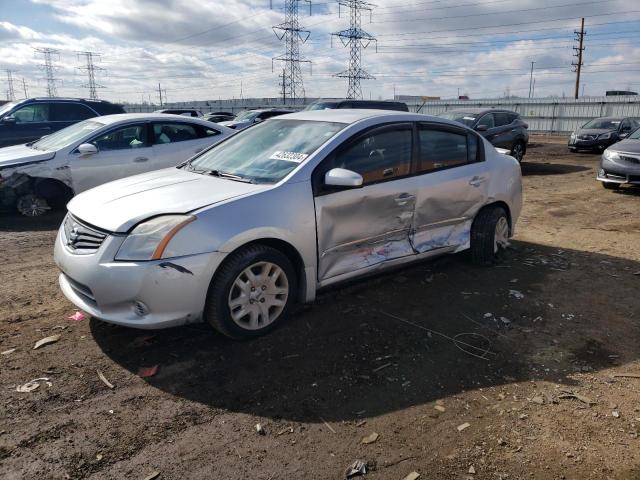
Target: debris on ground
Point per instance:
(412, 476)
(356, 469)
(615, 414)
(615, 375)
(502, 442)
(472, 470)
(539, 399)
(152, 476)
(46, 341)
(285, 430)
(571, 394)
(440, 408)
(33, 385)
(7, 352)
(517, 294)
(260, 429)
(328, 426)
(145, 372)
(370, 438)
(104, 380)
(464, 426)
(77, 316)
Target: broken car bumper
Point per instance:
(153, 294)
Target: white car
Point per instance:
(49, 171)
(266, 218)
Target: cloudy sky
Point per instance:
(209, 49)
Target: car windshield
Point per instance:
(244, 116)
(6, 107)
(467, 119)
(267, 152)
(322, 106)
(67, 136)
(603, 123)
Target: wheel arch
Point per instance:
(498, 203)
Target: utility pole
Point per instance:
(356, 39)
(579, 50)
(531, 80)
(160, 93)
(533, 90)
(11, 93)
(293, 35)
(283, 85)
(24, 87)
(49, 69)
(91, 73)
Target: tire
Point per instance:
(226, 300)
(518, 150)
(573, 150)
(487, 245)
(611, 185)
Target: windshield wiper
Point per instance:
(230, 176)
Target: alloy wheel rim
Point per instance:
(258, 295)
(501, 236)
(518, 151)
(32, 206)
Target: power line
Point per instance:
(356, 39)
(293, 35)
(49, 69)
(91, 73)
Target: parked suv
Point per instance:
(503, 128)
(599, 133)
(366, 104)
(30, 119)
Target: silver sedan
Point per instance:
(239, 234)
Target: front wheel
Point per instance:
(517, 151)
(252, 292)
(489, 236)
(31, 205)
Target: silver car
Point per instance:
(35, 176)
(266, 218)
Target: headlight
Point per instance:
(149, 239)
(611, 155)
(573, 135)
(604, 136)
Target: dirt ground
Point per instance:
(546, 399)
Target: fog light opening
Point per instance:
(140, 308)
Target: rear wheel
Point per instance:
(517, 151)
(611, 185)
(252, 292)
(489, 235)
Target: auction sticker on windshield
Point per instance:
(289, 156)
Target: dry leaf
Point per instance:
(46, 341)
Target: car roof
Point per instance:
(353, 115)
(479, 110)
(162, 117)
(61, 99)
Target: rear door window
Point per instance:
(34, 113)
(164, 133)
(70, 112)
(443, 149)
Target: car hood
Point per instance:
(118, 206)
(594, 131)
(628, 145)
(21, 154)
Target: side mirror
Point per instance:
(623, 134)
(482, 128)
(87, 149)
(341, 177)
(9, 120)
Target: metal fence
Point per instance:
(545, 115)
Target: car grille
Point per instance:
(80, 238)
(628, 159)
(587, 137)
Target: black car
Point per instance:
(366, 104)
(599, 133)
(503, 128)
(30, 119)
(188, 112)
(620, 163)
(217, 117)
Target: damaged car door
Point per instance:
(453, 184)
(368, 225)
(120, 152)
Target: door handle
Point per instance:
(403, 199)
(140, 159)
(477, 181)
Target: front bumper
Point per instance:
(579, 144)
(153, 294)
(625, 169)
